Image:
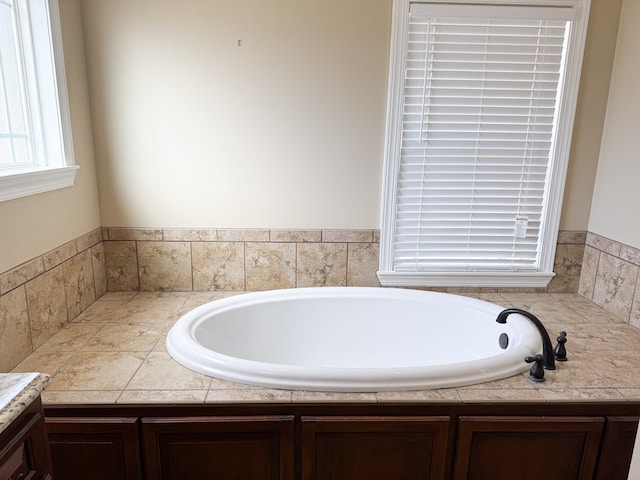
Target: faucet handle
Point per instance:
(536, 373)
(560, 352)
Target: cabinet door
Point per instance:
(219, 448)
(23, 446)
(374, 448)
(96, 448)
(528, 448)
(617, 448)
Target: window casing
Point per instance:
(36, 150)
(481, 103)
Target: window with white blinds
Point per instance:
(478, 139)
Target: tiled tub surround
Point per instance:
(610, 277)
(114, 353)
(238, 260)
(41, 296)
(261, 259)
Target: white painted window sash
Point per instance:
(41, 61)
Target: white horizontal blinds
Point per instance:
(480, 106)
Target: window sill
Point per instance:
(465, 279)
(31, 182)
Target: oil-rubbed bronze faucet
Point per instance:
(547, 348)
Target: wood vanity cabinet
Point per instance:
(23, 447)
(374, 448)
(344, 442)
(224, 448)
(528, 448)
(99, 448)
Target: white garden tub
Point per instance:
(352, 339)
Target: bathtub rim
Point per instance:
(185, 349)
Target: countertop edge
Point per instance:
(23, 398)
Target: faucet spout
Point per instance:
(547, 348)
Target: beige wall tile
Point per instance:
(190, 235)
(243, 235)
(218, 266)
(121, 263)
(588, 272)
(165, 266)
(99, 269)
(615, 286)
(21, 275)
(79, 283)
(362, 265)
(568, 264)
(88, 240)
(603, 244)
(59, 255)
(630, 254)
(270, 266)
(296, 235)
(347, 235)
(47, 305)
(573, 237)
(635, 309)
(149, 234)
(14, 329)
(321, 265)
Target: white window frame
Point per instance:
(544, 272)
(47, 104)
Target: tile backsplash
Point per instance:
(42, 295)
(38, 297)
(238, 260)
(609, 277)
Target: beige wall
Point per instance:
(36, 224)
(592, 102)
(616, 196)
(284, 130)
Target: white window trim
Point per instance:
(568, 102)
(22, 184)
(18, 183)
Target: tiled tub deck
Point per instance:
(114, 353)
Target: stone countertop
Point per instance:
(114, 353)
(17, 391)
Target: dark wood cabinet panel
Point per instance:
(528, 448)
(617, 448)
(219, 448)
(23, 446)
(96, 448)
(374, 448)
(344, 441)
